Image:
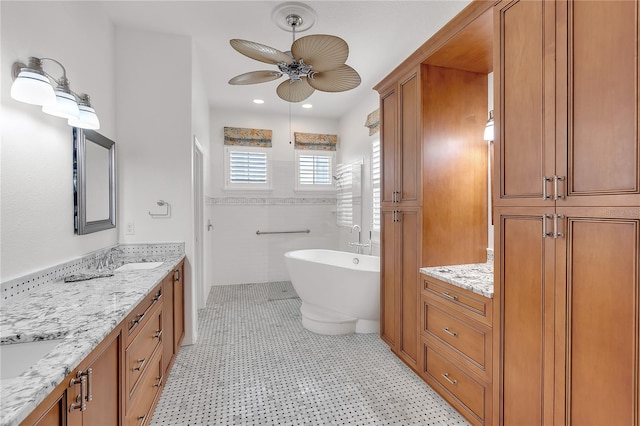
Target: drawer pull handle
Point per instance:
(157, 334)
(452, 333)
(80, 402)
(157, 385)
(450, 297)
(141, 419)
(157, 297)
(139, 318)
(452, 381)
(140, 364)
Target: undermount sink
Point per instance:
(16, 358)
(137, 266)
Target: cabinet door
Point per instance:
(178, 307)
(409, 143)
(103, 407)
(389, 290)
(524, 101)
(524, 273)
(408, 259)
(167, 321)
(598, 140)
(388, 144)
(598, 292)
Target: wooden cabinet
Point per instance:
(401, 149)
(400, 291)
(121, 380)
(173, 318)
(456, 339)
(567, 212)
(566, 103)
(90, 395)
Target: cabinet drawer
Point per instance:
(137, 319)
(469, 339)
(456, 386)
(139, 409)
(140, 351)
(458, 299)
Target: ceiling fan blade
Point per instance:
(295, 91)
(338, 80)
(323, 52)
(260, 52)
(254, 77)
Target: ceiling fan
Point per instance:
(315, 62)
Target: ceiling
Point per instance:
(380, 35)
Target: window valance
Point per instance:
(247, 137)
(373, 122)
(315, 141)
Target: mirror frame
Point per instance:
(80, 139)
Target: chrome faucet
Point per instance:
(359, 245)
(108, 258)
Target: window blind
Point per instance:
(314, 169)
(344, 195)
(375, 183)
(247, 167)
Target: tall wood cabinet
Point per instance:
(567, 215)
(434, 188)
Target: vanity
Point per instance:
(117, 337)
(456, 336)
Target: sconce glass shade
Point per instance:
(88, 118)
(65, 106)
(33, 88)
(488, 129)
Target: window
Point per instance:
(246, 168)
(314, 171)
(344, 195)
(375, 183)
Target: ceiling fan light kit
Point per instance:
(315, 62)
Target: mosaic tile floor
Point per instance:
(254, 364)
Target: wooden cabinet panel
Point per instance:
(409, 258)
(389, 129)
(167, 320)
(102, 397)
(526, 298)
(600, 313)
(140, 412)
(140, 351)
(409, 185)
(601, 61)
(469, 340)
(524, 100)
(462, 390)
(178, 307)
(389, 291)
(462, 302)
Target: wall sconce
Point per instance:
(33, 85)
(488, 129)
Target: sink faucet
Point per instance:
(108, 258)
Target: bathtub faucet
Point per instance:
(360, 245)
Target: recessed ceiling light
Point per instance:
(307, 106)
(258, 101)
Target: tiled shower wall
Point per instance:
(241, 256)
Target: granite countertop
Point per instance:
(476, 277)
(80, 313)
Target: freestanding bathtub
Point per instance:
(340, 291)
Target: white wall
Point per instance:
(36, 213)
(239, 255)
(357, 146)
(153, 75)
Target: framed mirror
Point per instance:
(94, 181)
